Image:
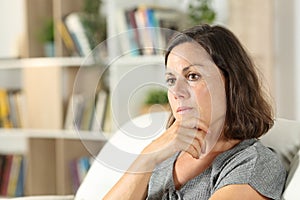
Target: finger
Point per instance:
(195, 140)
(193, 152)
(194, 149)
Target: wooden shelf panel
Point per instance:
(49, 169)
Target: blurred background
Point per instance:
(268, 29)
(54, 79)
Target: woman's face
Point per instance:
(188, 92)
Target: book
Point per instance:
(78, 34)
(21, 109)
(133, 33)
(99, 115)
(125, 36)
(78, 169)
(14, 110)
(143, 26)
(2, 164)
(87, 114)
(83, 165)
(21, 179)
(74, 112)
(74, 175)
(108, 120)
(67, 38)
(6, 174)
(14, 175)
(4, 110)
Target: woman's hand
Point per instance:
(185, 135)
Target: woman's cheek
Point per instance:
(203, 101)
(172, 103)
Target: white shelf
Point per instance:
(16, 140)
(139, 60)
(44, 62)
(53, 134)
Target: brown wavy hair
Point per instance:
(248, 113)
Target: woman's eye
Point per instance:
(170, 81)
(193, 77)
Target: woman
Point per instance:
(210, 149)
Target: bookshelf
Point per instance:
(132, 76)
(47, 84)
(48, 154)
(46, 147)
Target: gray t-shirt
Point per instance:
(249, 162)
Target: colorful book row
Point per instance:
(12, 175)
(79, 168)
(141, 26)
(12, 108)
(87, 113)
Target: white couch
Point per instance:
(284, 138)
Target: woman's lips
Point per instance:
(183, 109)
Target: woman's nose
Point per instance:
(180, 89)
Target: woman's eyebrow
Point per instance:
(190, 66)
(169, 74)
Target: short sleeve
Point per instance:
(257, 166)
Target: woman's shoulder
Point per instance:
(250, 150)
(259, 155)
(250, 162)
(252, 156)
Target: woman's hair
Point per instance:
(248, 114)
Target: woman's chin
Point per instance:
(187, 115)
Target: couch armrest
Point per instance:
(291, 191)
(284, 138)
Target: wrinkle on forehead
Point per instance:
(192, 53)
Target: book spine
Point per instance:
(14, 175)
(2, 165)
(74, 175)
(66, 37)
(6, 173)
(77, 32)
(99, 114)
(134, 37)
(141, 21)
(4, 110)
(20, 184)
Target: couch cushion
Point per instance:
(284, 138)
(118, 153)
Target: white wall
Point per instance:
(297, 57)
(287, 59)
(12, 27)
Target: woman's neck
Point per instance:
(197, 166)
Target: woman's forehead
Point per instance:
(189, 53)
